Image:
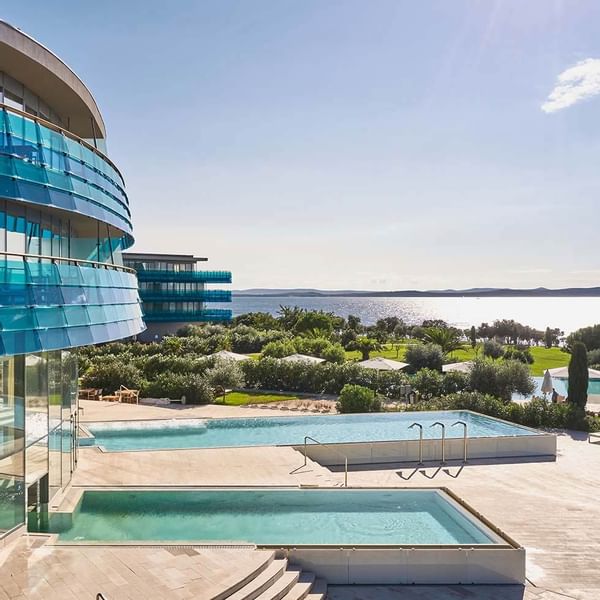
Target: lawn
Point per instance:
(544, 358)
(242, 398)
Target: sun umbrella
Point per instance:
(303, 358)
(547, 386)
(383, 364)
(462, 367)
(227, 355)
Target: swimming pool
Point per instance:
(291, 430)
(271, 517)
(356, 535)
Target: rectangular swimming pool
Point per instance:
(352, 535)
(290, 430)
(283, 516)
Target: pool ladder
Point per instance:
(312, 439)
(443, 426)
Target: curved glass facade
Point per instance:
(47, 167)
(64, 221)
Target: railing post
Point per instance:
(443, 439)
(465, 437)
(420, 440)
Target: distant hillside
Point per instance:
(471, 292)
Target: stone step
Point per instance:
(301, 588)
(254, 588)
(256, 567)
(318, 590)
(281, 586)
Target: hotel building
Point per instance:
(174, 292)
(64, 221)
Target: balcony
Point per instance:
(216, 315)
(195, 296)
(185, 276)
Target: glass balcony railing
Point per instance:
(195, 296)
(185, 276)
(207, 315)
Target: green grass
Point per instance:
(544, 358)
(242, 398)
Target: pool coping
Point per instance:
(101, 448)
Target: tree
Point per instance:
(493, 349)
(317, 323)
(590, 336)
(354, 323)
(424, 356)
(225, 374)
(334, 353)
(428, 383)
(552, 336)
(500, 379)
(288, 316)
(447, 338)
(365, 346)
(578, 375)
(473, 336)
(357, 399)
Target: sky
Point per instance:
(381, 145)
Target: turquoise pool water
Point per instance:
(285, 517)
(560, 385)
(272, 431)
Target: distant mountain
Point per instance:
(470, 292)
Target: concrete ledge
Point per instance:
(543, 444)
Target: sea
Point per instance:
(566, 313)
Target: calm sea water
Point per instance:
(566, 313)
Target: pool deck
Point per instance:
(551, 507)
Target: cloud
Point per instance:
(574, 84)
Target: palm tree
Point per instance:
(365, 346)
(447, 338)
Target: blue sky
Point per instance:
(347, 144)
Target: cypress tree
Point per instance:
(578, 375)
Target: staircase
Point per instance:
(276, 579)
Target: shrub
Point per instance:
(523, 356)
(111, 372)
(325, 378)
(454, 381)
(428, 383)
(536, 413)
(334, 353)
(225, 374)
(593, 357)
(578, 375)
(194, 387)
(279, 349)
(493, 349)
(357, 399)
(500, 379)
(424, 356)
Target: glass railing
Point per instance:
(42, 163)
(208, 315)
(196, 296)
(185, 276)
(50, 303)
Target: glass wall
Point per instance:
(38, 417)
(12, 442)
(28, 230)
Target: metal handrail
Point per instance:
(464, 438)
(307, 437)
(443, 439)
(415, 424)
(69, 260)
(99, 596)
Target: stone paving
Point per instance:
(551, 507)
